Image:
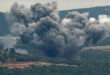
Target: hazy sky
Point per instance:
(62, 4)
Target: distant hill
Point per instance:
(4, 29)
(94, 12)
(96, 53)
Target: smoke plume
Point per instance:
(7, 42)
(40, 26)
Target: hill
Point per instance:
(4, 26)
(96, 53)
(88, 68)
(94, 12)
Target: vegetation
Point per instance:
(94, 12)
(88, 68)
(95, 55)
(4, 26)
(90, 63)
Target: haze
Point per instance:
(62, 4)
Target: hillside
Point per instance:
(85, 68)
(4, 29)
(23, 65)
(96, 53)
(94, 12)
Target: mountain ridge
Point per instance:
(94, 12)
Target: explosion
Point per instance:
(41, 26)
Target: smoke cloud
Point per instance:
(98, 30)
(21, 51)
(7, 42)
(40, 26)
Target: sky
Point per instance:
(62, 4)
